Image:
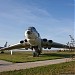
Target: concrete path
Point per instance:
(9, 66)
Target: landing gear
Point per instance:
(35, 54)
(36, 51)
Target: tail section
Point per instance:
(5, 44)
(3, 47)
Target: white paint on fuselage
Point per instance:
(32, 35)
(34, 39)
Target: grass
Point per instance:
(27, 56)
(67, 68)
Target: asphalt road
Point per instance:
(9, 66)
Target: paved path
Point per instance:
(8, 66)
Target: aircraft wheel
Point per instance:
(35, 54)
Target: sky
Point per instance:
(53, 19)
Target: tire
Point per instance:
(35, 54)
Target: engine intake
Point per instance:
(45, 40)
(25, 40)
(22, 41)
(50, 41)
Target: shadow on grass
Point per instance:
(58, 55)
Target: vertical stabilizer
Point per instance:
(5, 44)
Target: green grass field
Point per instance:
(27, 56)
(67, 68)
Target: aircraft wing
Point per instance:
(1, 47)
(16, 46)
(58, 45)
(51, 44)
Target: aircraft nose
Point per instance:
(28, 32)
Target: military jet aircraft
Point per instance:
(34, 42)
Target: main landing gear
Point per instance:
(36, 52)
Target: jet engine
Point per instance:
(49, 44)
(50, 41)
(44, 42)
(25, 40)
(22, 41)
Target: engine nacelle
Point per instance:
(45, 47)
(22, 41)
(25, 40)
(47, 43)
(49, 47)
(50, 41)
(44, 40)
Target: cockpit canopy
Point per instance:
(32, 29)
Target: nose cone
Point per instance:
(28, 32)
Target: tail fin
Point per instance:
(5, 44)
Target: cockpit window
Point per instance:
(32, 28)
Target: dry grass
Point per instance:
(27, 56)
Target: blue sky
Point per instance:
(54, 19)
